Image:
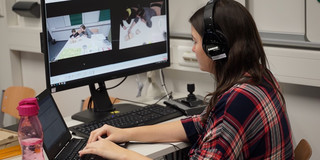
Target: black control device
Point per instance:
(190, 105)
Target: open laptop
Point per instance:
(57, 139)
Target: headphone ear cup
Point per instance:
(207, 41)
(215, 45)
(222, 42)
(221, 39)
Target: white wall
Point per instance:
(278, 16)
(312, 21)
(303, 110)
(181, 10)
(22, 64)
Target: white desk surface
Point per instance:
(151, 150)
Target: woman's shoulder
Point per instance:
(246, 88)
(241, 94)
(237, 89)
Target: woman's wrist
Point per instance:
(128, 134)
(131, 155)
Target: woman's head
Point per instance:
(205, 63)
(246, 53)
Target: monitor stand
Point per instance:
(103, 107)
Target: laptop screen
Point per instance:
(55, 132)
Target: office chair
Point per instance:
(11, 98)
(303, 151)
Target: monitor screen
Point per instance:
(87, 42)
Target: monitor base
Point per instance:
(89, 114)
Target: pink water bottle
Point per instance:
(30, 131)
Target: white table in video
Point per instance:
(143, 35)
(84, 45)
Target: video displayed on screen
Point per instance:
(90, 40)
(142, 23)
(71, 37)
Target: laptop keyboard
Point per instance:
(147, 115)
(70, 152)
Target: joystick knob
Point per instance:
(190, 88)
(191, 96)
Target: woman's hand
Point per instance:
(107, 149)
(113, 134)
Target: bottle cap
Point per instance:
(28, 107)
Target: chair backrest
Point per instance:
(303, 151)
(11, 98)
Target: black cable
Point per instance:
(114, 101)
(169, 94)
(176, 148)
(132, 101)
(141, 102)
(163, 84)
(118, 83)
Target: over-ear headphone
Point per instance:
(214, 43)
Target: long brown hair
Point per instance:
(246, 54)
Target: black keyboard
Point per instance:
(70, 152)
(147, 115)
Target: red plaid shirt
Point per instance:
(248, 122)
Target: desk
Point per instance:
(151, 150)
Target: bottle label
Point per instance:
(32, 149)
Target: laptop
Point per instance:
(57, 140)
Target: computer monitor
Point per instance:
(87, 42)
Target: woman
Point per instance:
(85, 31)
(246, 116)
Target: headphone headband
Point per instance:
(208, 15)
(214, 42)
